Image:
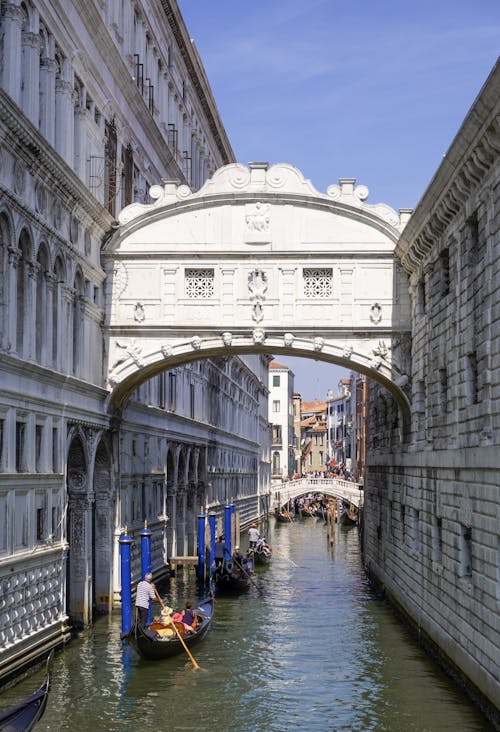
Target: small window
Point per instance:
(318, 283)
(472, 378)
(276, 405)
(444, 262)
(443, 391)
(199, 283)
(466, 552)
(276, 380)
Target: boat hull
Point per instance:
(24, 716)
(155, 650)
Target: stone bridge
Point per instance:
(257, 261)
(344, 489)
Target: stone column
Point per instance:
(103, 549)
(287, 289)
(64, 120)
(65, 338)
(30, 75)
(11, 51)
(80, 156)
(29, 336)
(47, 98)
(49, 294)
(80, 557)
(9, 315)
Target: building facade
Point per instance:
(431, 492)
(281, 418)
(95, 107)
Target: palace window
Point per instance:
(199, 283)
(318, 283)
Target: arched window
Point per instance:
(22, 292)
(41, 305)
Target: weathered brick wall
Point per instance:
(433, 500)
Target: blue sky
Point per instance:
(369, 90)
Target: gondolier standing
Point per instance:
(145, 591)
(253, 536)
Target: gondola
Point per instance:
(23, 716)
(262, 553)
(229, 579)
(283, 517)
(148, 643)
(306, 512)
(348, 519)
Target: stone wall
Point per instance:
(432, 501)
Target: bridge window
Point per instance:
(199, 283)
(318, 283)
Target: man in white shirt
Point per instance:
(253, 536)
(145, 591)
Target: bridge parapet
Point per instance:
(337, 488)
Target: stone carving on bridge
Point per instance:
(347, 351)
(139, 314)
(258, 222)
(347, 193)
(288, 339)
(166, 351)
(258, 336)
(257, 285)
(375, 313)
(227, 338)
(120, 280)
(380, 354)
(319, 343)
(196, 343)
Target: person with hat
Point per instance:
(146, 591)
(253, 536)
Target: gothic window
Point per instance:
(199, 283)
(318, 283)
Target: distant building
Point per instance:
(281, 417)
(314, 437)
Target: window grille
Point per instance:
(318, 283)
(199, 283)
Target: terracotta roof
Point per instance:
(316, 406)
(276, 365)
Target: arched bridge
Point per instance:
(344, 489)
(257, 261)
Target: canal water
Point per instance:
(313, 648)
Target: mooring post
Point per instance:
(200, 568)
(125, 542)
(145, 535)
(227, 529)
(211, 522)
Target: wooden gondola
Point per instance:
(306, 512)
(283, 517)
(348, 519)
(230, 579)
(148, 643)
(262, 553)
(23, 716)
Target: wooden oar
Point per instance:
(179, 636)
(248, 575)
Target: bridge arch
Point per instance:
(257, 261)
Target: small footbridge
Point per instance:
(344, 489)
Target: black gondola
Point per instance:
(23, 716)
(152, 647)
(262, 552)
(283, 517)
(231, 579)
(348, 519)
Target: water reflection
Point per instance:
(316, 650)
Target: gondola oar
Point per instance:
(179, 636)
(259, 590)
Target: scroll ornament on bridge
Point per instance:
(129, 350)
(257, 286)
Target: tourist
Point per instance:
(188, 617)
(220, 551)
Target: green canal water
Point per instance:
(315, 649)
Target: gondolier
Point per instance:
(253, 536)
(145, 591)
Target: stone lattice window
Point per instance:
(199, 283)
(318, 283)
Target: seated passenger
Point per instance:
(188, 617)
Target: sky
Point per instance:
(374, 91)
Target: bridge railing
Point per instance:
(336, 487)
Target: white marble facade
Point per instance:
(92, 112)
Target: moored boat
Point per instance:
(160, 640)
(348, 519)
(23, 716)
(283, 517)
